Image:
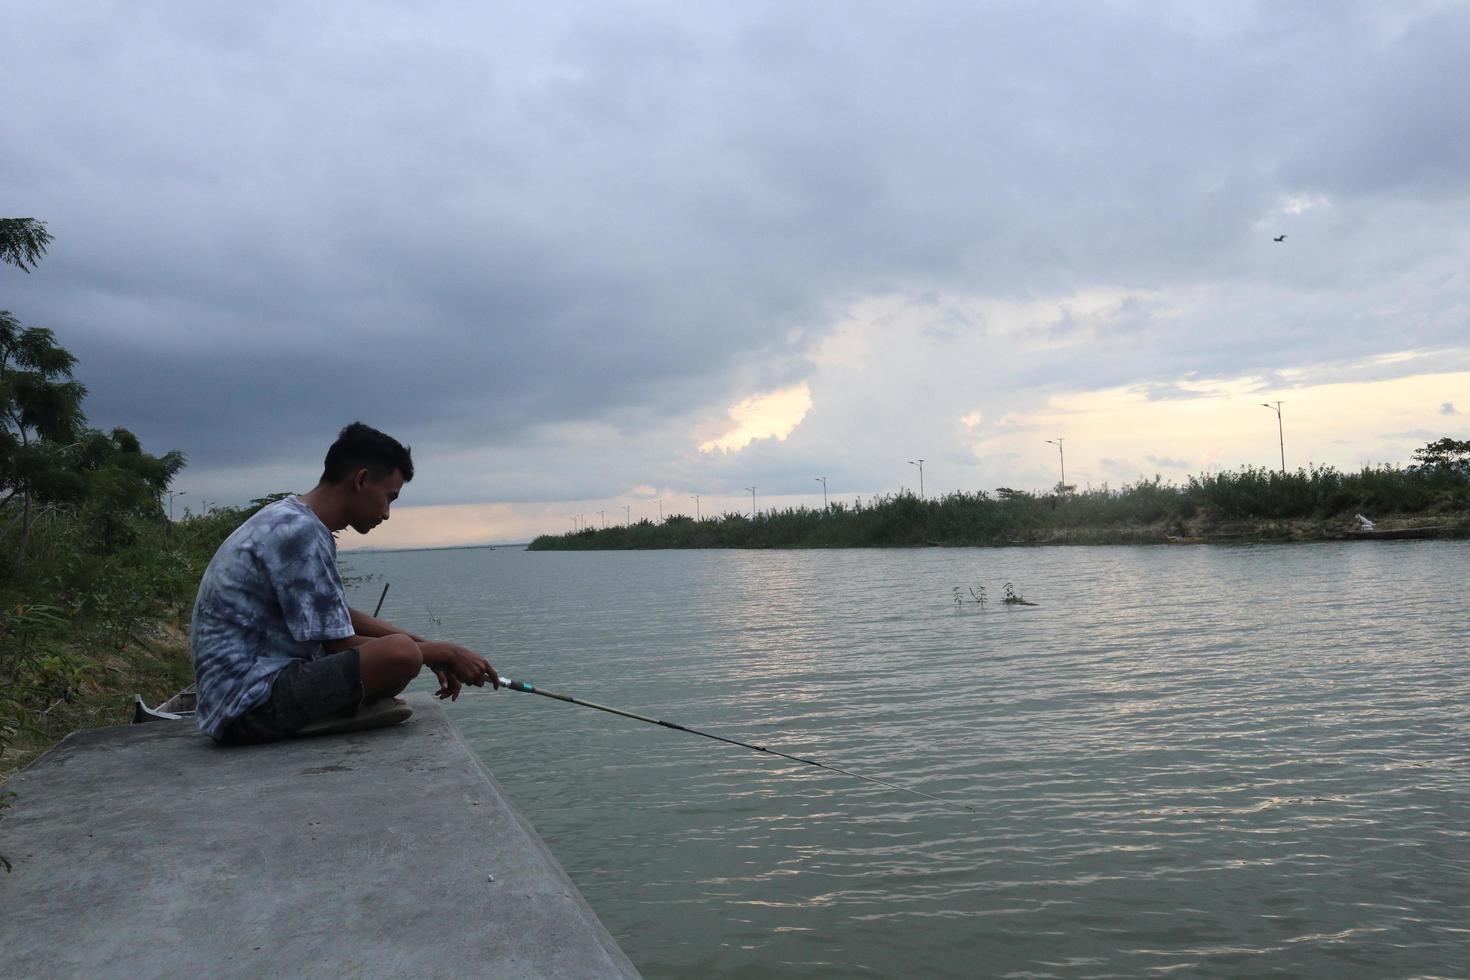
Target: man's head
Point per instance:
(367, 468)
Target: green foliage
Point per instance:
(86, 557)
(89, 565)
(1141, 512)
(77, 606)
(40, 422)
(51, 463)
(1445, 453)
(121, 483)
(23, 241)
(81, 621)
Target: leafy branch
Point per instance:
(23, 241)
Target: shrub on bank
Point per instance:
(1014, 516)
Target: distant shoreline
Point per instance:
(438, 547)
(1234, 533)
(1251, 504)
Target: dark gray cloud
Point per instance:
(480, 227)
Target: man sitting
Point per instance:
(277, 651)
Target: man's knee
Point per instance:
(389, 660)
(404, 654)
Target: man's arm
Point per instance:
(371, 626)
(364, 628)
(452, 664)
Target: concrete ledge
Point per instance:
(147, 850)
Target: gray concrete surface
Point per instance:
(148, 851)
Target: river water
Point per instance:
(1192, 761)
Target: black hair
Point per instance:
(361, 446)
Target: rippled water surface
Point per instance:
(1188, 761)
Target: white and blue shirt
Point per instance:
(271, 595)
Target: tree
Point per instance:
(41, 421)
(48, 457)
(23, 241)
(1446, 453)
(121, 482)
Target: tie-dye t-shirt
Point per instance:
(271, 595)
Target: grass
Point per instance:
(85, 627)
(78, 690)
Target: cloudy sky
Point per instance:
(591, 256)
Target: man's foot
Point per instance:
(374, 714)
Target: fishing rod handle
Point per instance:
(524, 686)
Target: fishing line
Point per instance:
(526, 687)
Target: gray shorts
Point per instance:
(302, 692)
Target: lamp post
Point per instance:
(660, 502)
(603, 515)
(1280, 435)
(169, 530)
(1061, 487)
(627, 515)
(752, 502)
(695, 498)
(823, 481)
(573, 519)
(920, 464)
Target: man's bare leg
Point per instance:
(388, 663)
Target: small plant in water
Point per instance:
(1013, 599)
(977, 596)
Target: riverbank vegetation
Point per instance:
(89, 621)
(95, 582)
(1246, 503)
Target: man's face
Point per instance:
(372, 496)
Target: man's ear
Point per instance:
(360, 478)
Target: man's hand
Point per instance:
(456, 666)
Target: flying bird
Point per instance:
(1279, 238)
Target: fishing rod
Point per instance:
(526, 687)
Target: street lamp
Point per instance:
(695, 498)
(573, 519)
(823, 481)
(660, 502)
(627, 515)
(920, 464)
(752, 502)
(171, 495)
(1061, 487)
(603, 515)
(1280, 435)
